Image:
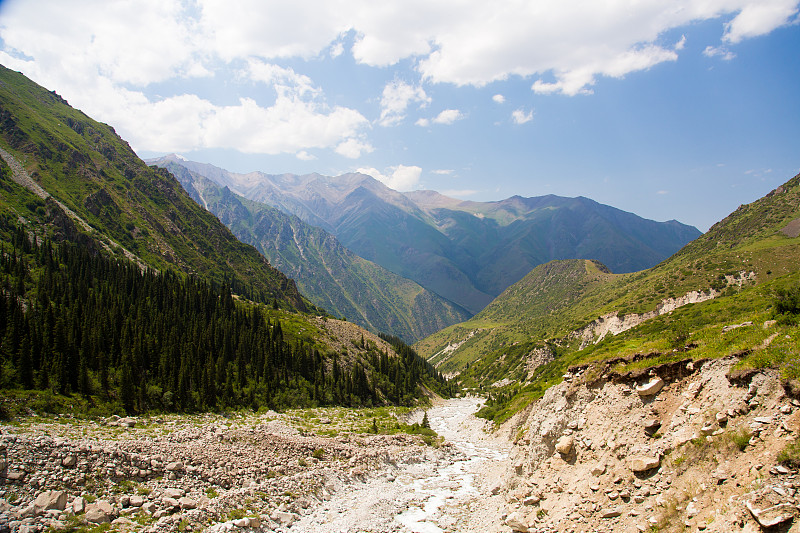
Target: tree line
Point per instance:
(76, 321)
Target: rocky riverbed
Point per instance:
(251, 473)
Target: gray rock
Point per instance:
(187, 503)
(51, 499)
(610, 513)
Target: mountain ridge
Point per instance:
(467, 252)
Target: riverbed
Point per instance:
(446, 489)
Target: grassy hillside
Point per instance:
(746, 262)
(93, 173)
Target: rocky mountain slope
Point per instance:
(327, 273)
(692, 445)
(467, 252)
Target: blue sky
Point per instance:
(671, 109)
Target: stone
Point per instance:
(99, 512)
(187, 503)
(772, 516)
(79, 505)
(610, 513)
(516, 521)
(174, 493)
(643, 463)
(69, 461)
(51, 499)
(285, 518)
(136, 501)
(170, 502)
(651, 425)
(599, 469)
(565, 444)
(174, 466)
(651, 387)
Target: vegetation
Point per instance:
(75, 322)
(747, 264)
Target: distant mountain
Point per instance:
(575, 313)
(326, 272)
(467, 252)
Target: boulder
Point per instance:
(79, 505)
(99, 512)
(517, 522)
(651, 387)
(643, 463)
(51, 499)
(187, 503)
(772, 516)
(136, 501)
(565, 444)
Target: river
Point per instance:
(446, 490)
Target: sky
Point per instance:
(674, 109)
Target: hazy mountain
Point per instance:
(326, 272)
(467, 252)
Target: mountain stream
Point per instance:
(444, 491)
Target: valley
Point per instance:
(183, 348)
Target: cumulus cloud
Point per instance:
(397, 96)
(399, 178)
(448, 116)
(111, 58)
(353, 148)
(520, 116)
(499, 98)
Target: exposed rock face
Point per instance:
(667, 461)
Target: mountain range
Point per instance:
(326, 272)
(466, 252)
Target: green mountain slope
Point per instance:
(571, 313)
(95, 175)
(327, 273)
(118, 293)
(467, 252)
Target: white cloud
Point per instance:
(397, 96)
(443, 171)
(399, 178)
(499, 98)
(302, 155)
(519, 116)
(448, 116)
(759, 18)
(283, 79)
(423, 122)
(353, 148)
(719, 51)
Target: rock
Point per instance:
(187, 503)
(610, 513)
(643, 463)
(516, 521)
(650, 388)
(174, 466)
(170, 502)
(284, 517)
(79, 505)
(565, 444)
(69, 461)
(127, 422)
(174, 493)
(651, 425)
(136, 501)
(51, 499)
(599, 469)
(772, 516)
(99, 512)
